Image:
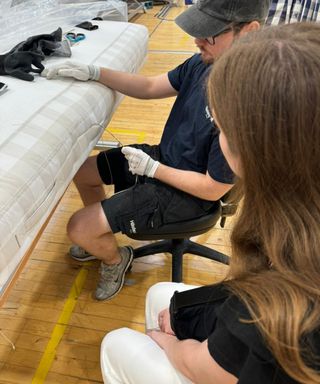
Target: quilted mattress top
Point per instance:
(47, 124)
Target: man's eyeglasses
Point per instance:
(211, 39)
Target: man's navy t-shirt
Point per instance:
(190, 140)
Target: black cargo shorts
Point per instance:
(142, 203)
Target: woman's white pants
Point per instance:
(131, 357)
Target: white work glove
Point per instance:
(139, 162)
(73, 69)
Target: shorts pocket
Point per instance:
(156, 219)
(138, 221)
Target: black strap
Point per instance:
(87, 25)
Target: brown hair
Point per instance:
(265, 94)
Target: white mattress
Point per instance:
(47, 130)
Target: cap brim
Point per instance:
(199, 24)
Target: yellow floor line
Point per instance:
(130, 132)
(60, 327)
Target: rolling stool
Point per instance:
(175, 239)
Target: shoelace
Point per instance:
(107, 272)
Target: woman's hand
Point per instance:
(164, 321)
(165, 335)
(164, 340)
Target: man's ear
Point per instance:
(250, 27)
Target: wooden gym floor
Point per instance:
(50, 327)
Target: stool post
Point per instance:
(178, 248)
(176, 268)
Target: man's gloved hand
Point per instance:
(72, 69)
(139, 162)
(19, 64)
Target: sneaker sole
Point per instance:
(86, 258)
(123, 276)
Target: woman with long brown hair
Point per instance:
(271, 122)
(262, 323)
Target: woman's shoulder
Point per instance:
(239, 346)
(236, 318)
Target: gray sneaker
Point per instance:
(80, 254)
(112, 276)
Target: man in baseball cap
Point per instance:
(211, 17)
(181, 178)
(209, 20)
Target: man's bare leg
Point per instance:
(90, 229)
(89, 183)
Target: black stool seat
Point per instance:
(175, 239)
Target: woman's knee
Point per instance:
(158, 298)
(119, 350)
(162, 290)
(114, 339)
(130, 356)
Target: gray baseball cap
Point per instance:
(210, 17)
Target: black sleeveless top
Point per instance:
(213, 313)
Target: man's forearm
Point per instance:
(138, 86)
(194, 183)
(127, 83)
